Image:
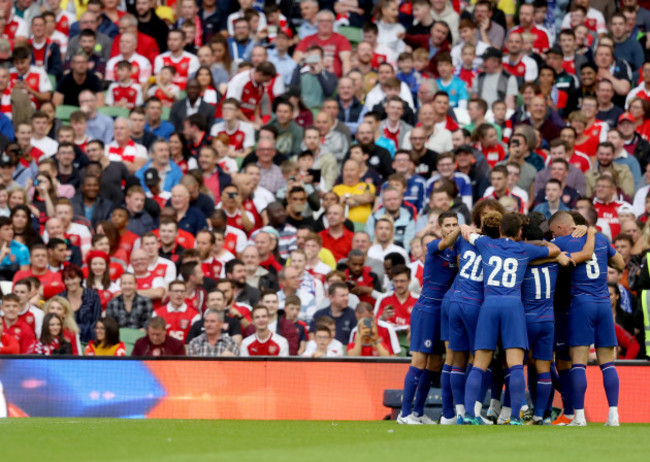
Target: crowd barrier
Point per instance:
(256, 388)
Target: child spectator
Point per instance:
(166, 91)
(225, 153)
(447, 82)
(408, 74)
(389, 30)
(487, 141)
(124, 93)
(421, 62)
(499, 112)
(328, 346)
(467, 71)
(79, 124)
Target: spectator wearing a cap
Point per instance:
(495, 83)
(634, 143)
(169, 174)
(566, 84)
(280, 57)
(622, 157)
(8, 167)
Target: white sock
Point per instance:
(536, 418)
(505, 414)
(478, 406)
(495, 404)
(460, 409)
(580, 415)
(569, 416)
(613, 413)
(3, 403)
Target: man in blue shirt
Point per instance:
(14, 256)
(189, 218)
(439, 272)
(502, 314)
(280, 57)
(155, 124)
(590, 316)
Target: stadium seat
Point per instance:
(353, 34)
(402, 338)
(166, 111)
(114, 111)
(63, 112)
(6, 286)
(52, 80)
(129, 337)
(359, 226)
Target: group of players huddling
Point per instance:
(504, 288)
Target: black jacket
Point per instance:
(101, 211)
(53, 64)
(179, 113)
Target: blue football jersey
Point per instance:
(589, 279)
(439, 271)
(504, 264)
(538, 290)
(469, 282)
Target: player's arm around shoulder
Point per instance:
(588, 249)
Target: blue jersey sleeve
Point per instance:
(611, 251)
(536, 252)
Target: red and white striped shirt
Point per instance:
(36, 78)
(274, 345)
(186, 64)
(140, 67)
(608, 212)
(128, 96)
(242, 137)
(249, 93)
(178, 320)
(127, 153)
(63, 21)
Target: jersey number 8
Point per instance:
(593, 270)
(509, 276)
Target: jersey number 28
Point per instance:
(509, 276)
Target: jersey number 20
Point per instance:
(476, 274)
(509, 276)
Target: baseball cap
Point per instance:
(626, 116)
(151, 177)
(492, 52)
(5, 160)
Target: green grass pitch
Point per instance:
(39, 439)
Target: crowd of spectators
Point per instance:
(251, 177)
